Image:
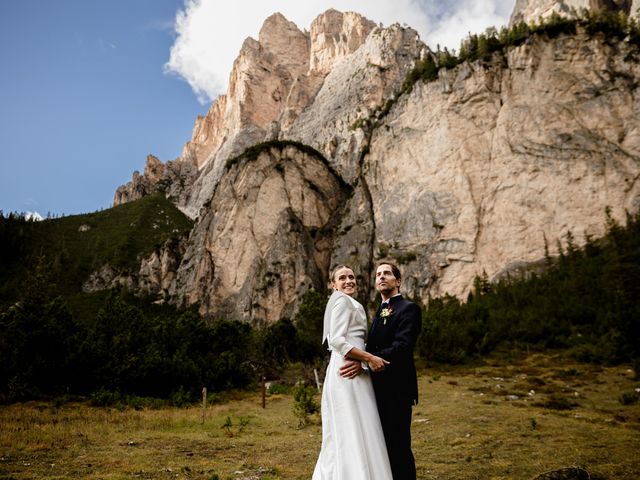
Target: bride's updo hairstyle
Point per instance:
(335, 269)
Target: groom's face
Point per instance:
(386, 282)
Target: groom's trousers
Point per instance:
(395, 417)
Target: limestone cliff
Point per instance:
(474, 171)
(266, 236)
(470, 173)
(155, 276)
(170, 177)
(532, 10)
(273, 79)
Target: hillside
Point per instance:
(111, 344)
(71, 248)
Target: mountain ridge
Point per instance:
(473, 172)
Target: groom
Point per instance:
(393, 336)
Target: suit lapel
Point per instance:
(376, 319)
(390, 305)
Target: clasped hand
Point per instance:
(352, 368)
(377, 364)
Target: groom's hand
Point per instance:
(350, 368)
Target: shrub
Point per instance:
(181, 397)
(309, 325)
(104, 398)
(629, 398)
(304, 403)
(588, 301)
(279, 388)
(131, 347)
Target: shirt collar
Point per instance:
(388, 301)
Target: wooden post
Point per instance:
(204, 403)
(315, 373)
(264, 392)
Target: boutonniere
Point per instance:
(385, 313)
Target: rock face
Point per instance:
(612, 5)
(351, 91)
(172, 177)
(334, 35)
(471, 173)
(266, 237)
(532, 10)
(156, 274)
(273, 79)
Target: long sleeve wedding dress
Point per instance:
(353, 446)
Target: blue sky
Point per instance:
(83, 100)
(89, 88)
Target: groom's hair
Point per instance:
(394, 269)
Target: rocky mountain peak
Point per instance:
(532, 10)
(273, 80)
(284, 40)
(469, 173)
(334, 35)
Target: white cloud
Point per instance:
(209, 34)
(469, 16)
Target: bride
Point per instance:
(353, 446)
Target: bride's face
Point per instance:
(345, 281)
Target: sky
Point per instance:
(89, 88)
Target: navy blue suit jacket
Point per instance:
(394, 338)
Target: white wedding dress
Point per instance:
(353, 445)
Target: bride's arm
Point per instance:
(340, 320)
(375, 363)
(341, 315)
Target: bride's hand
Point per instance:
(377, 364)
(350, 368)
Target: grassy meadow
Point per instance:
(491, 421)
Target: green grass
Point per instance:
(490, 421)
